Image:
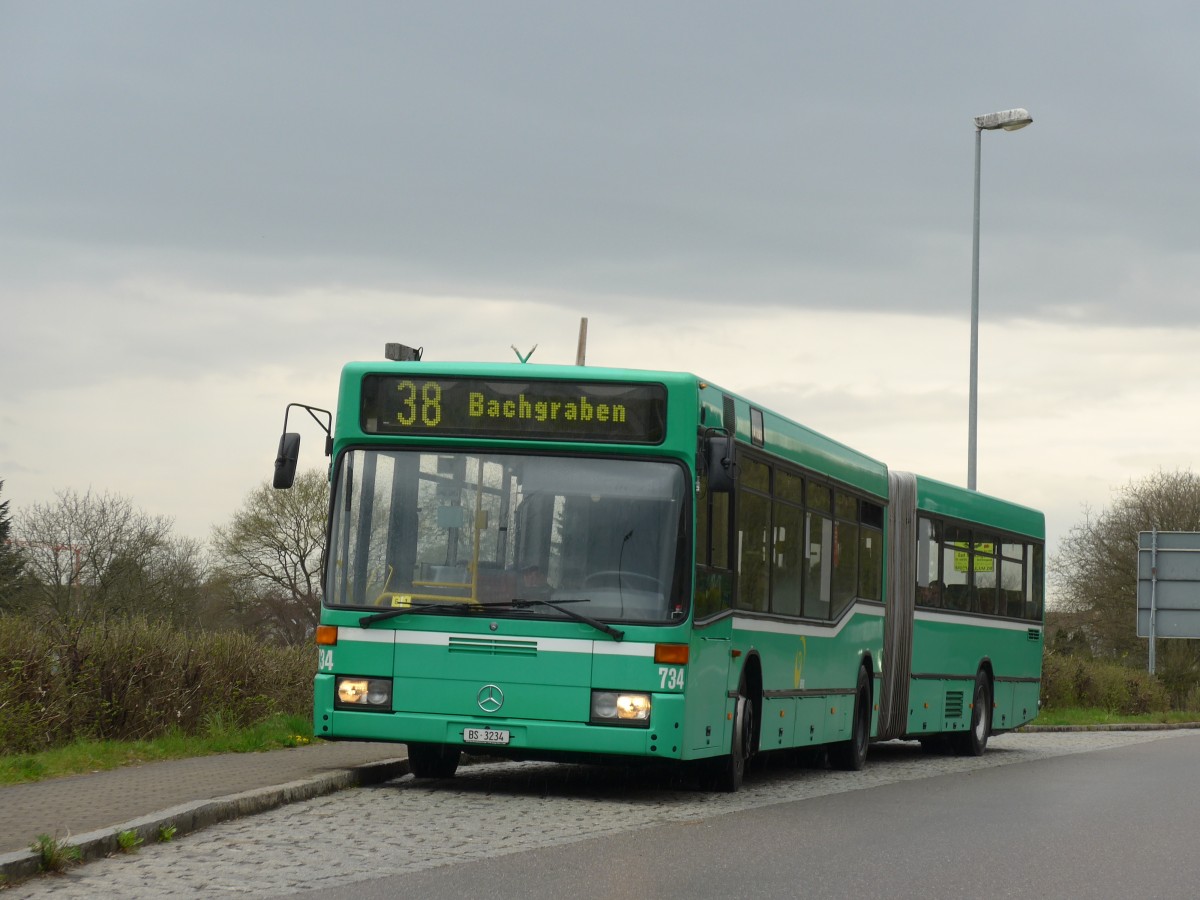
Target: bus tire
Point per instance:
(974, 742)
(729, 771)
(851, 755)
(433, 760)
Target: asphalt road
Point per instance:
(1047, 815)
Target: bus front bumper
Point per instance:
(663, 739)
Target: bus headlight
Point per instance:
(621, 708)
(364, 693)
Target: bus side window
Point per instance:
(719, 527)
(870, 552)
(818, 573)
(787, 552)
(714, 579)
(930, 590)
(753, 536)
(1034, 582)
(956, 568)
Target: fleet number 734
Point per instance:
(670, 679)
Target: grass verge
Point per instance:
(85, 756)
(1084, 717)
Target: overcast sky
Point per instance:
(207, 208)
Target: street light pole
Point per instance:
(1008, 120)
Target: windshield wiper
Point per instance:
(615, 633)
(368, 621)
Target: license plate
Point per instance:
(485, 736)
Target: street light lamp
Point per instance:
(1008, 120)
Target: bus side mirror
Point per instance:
(719, 462)
(286, 459)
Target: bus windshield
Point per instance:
(415, 528)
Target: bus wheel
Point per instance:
(974, 742)
(433, 760)
(851, 755)
(728, 771)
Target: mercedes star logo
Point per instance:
(490, 698)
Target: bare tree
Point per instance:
(96, 554)
(270, 557)
(1095, 574)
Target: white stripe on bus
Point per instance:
(544, 645)
(925, 615)
(363, 636)
(775, 626)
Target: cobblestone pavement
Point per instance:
(490, 810)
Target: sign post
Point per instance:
(1168, 589)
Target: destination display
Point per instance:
(524, 410)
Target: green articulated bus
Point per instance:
(569, 563)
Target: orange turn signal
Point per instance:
(673, 654)
(326, 635)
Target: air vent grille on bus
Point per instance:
(1035, 634)
(954, 704)
(728, 415)
(492, 646)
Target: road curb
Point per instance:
(1133, 726)
(189, 817)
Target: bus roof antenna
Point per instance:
(581, 352)
(524, 358)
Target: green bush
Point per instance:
(132, 679)
(1076, 681)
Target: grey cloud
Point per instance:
(785, 154)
